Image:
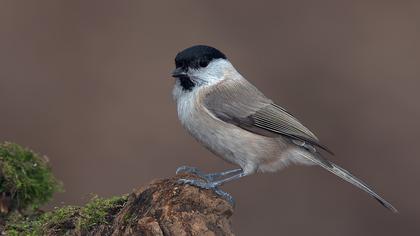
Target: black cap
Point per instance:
(197, 56)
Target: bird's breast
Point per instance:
(226, 140)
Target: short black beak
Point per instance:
(179, 72)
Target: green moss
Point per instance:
(60, 221)
(23, 225)
(39, 224)
(99, 211)
(68, 220)
(25, 177)
(128, 218)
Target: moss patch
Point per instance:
(42, 223)
(100, 211)
(69, 220)
(26, 181)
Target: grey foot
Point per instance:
(209, 185)
(196, 171)
(211, 177)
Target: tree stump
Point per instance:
(165, 207)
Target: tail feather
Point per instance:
(347, 176)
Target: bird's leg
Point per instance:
(214, 185)
(189, 169)
(211, 177)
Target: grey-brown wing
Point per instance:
(240, 103)
(276, 119)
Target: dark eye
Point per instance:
(203, 63)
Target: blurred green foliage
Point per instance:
(26, 181)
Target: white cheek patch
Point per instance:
(215, 72)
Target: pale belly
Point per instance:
(235, 145)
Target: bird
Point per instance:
(235, 121)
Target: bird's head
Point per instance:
(200, 65)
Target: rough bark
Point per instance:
(165, 207)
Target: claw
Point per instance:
(212, 177)
(225, 196)
(211, 181)
(194, 170)
(198, 183)
(209, 185)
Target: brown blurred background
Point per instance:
(87, 84)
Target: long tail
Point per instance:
(347, 176)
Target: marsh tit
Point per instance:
(234, 120)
